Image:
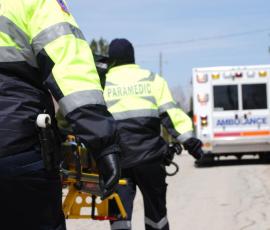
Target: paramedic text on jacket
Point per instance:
(140, 101)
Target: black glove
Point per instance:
(110, 173)
(172, 150)
(194, 147)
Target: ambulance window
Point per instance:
(225, 97)
(254, 96)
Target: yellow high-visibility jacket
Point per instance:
(42, 50)
(140, 101)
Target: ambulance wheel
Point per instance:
(43, 120)
(239, 157)
(207, 160)
(264, 156)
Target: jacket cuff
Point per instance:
(112, 149)
(185, 136)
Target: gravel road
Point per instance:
(227, 196)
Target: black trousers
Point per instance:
(30, 200)
(150, 178)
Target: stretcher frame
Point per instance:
(82, 200)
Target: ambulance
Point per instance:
(231, 107)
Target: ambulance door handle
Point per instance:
(236, 116)
(245, 116)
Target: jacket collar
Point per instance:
(123, 67)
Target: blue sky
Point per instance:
(157, 21)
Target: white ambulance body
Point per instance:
(231, 109)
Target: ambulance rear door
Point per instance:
(241, 115)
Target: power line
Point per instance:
(194, 40)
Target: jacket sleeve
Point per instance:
(68, 70)
(177, 123)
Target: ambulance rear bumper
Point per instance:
(230, 145)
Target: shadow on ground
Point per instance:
(233, 162)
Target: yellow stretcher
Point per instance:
(81, 191)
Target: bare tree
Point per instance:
(182, 97)
(94, 46)
(100, 46)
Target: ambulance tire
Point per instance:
(207, 160)
(239, 157)
(264, 157)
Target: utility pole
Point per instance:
(160, 64)
(164, 132)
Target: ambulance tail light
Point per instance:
(263, 73)
(203, 97)
(202, 78)
(204, 121)
(195, 119)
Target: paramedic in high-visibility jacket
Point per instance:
(43, 52)
(140, 102)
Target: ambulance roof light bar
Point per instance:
(263, 73)
(215, 76)
(238, 74)
(228, 75)
(202, 77)
(250, 74)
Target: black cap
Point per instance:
(121, 52)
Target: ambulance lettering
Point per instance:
(237, 122)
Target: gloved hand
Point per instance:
(194, 147)
(110, 173)
(172, 150)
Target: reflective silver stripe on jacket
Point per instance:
(10, 54)
(112, 103)
(167, 106)
(135, 113)
(52, 33)
(150, 98)
(21, 39)
(151, 77)
(109, 84)
(123, 224)
(76, 100)
(185, 136)
(156, 225)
